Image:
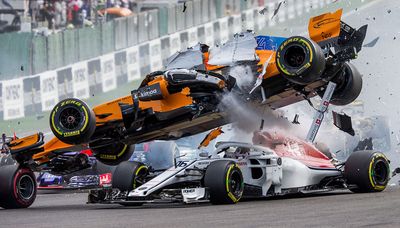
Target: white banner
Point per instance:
(237, 24)
(261, 19)
(299, 7)
(80, 80)
(109, 80)
(315, 4)
(192, 33)
(209, 33)
(291, 9)
(13, 99)
(132, 55)
(249, 20)
(48, 90)
(174, 43)
(224, 30)
(321, 3)
(155, 55)
(307, 5)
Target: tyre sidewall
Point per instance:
(80, 134)
(352, 88)
(377, 157)
(217, 178)
(113, 154)
(313, 66)
(8, 188)
(359, 171)
(124, 177)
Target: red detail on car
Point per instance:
(105, 179)
(295, 148)
(88, 152)
(146, 147)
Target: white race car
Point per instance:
(272, 165)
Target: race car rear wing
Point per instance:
(325, 27)
(329, 31)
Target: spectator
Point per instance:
(58, 22)
(110, 3)
(34, 10)
(75, 6)
(48, 13)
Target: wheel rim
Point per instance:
(26, 187)
(235, 183)
(380, 172)
(70, 118)
(295, 56)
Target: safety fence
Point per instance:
(115, 54)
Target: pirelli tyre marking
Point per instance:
(371, 171)
(114, 157)
(307, 47)
(228, 183)
(75, 104)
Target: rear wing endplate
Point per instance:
(325, 27)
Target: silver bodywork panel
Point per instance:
(241, 48)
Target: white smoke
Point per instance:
(246, 115)
(243, 75)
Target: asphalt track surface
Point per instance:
(339, 209)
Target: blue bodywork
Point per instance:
(46, 179)
(269, 42)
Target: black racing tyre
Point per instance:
(72, 121)
(224, 181)
(17, 187)
(300, 60)
(101, 168)
(113, 153)
(348, 85)
(129, 175)
(367, 171)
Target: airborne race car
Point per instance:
(277, 166)
(186, 99)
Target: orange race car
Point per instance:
(185, 99)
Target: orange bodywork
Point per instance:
(168, 103)
(210, 137)
(263, 56)
(325, 26)
(52, 145)
(111, 111)
(27, 141)
(34, 142)
(120, 12)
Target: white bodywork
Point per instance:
(261, 168)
